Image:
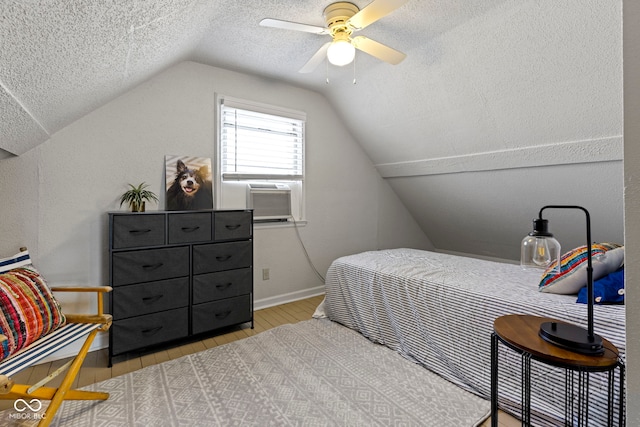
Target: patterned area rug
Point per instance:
(313, 373)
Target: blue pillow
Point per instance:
(607, 290)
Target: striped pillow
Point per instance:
(29, 310)
(605, 257)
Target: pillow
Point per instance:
(28, 309)
(607, 290)
(606, 258)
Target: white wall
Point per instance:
(60, 191)
(631, 38)
(493, 210)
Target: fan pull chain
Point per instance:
(354, 70)
(327, 70)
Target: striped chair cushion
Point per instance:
(29, 310)
(20, 259)
(45, 346)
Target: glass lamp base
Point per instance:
(571, 337)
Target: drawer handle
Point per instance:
(233, 227)
(224, 286)
(152, 299)
(223, 258)
(190, 229)
(146, 230)
(151, 331)
(152, 266)
(223, 315)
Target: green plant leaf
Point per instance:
(137, 195)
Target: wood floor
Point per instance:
(95, 366)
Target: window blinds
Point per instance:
(260, 146)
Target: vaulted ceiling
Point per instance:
(480, 76)
(61, 59)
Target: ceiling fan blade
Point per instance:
(295, 26)
(374, 11)
(316, 59)
(378, 50)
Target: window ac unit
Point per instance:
(270, 202)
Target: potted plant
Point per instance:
(137, 196)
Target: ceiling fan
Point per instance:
(342, 20)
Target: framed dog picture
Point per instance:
(188, 183)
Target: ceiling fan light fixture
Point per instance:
(341, 52)
(342, 19)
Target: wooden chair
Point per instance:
(77, 326)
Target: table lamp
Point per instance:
(539, 249)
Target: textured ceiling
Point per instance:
(63, 58)
(480, 75)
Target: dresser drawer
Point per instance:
(223, 284)
(150, 265)
(232, 225)
(136, 300)
(143, 331)
(190, 227)
(222, 256)
(218, 314)
(138, 230)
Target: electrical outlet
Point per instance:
(265, 274)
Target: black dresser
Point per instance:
(178, 274)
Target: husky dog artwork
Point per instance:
(191, 188)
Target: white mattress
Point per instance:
(438, 310)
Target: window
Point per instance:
(259, 144)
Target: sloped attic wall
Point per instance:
(488, 212)
(487, 86)
(62, 189)
(516, 107)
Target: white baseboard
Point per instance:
(102, 339)
(289, 297)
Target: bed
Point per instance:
(437, 310)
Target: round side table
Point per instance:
(520, 333)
